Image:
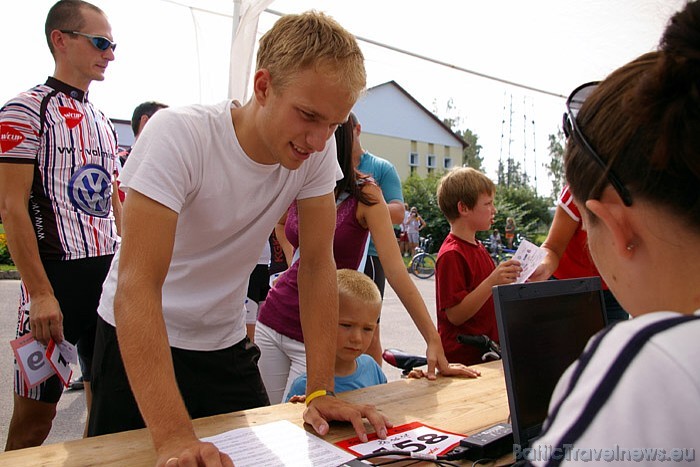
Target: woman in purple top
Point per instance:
(361, 210)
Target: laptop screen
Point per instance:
(543, 327)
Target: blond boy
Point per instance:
(359, 305)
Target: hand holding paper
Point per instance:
(45, 318)
(38, 363)
(530, 256)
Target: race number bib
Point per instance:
(38, 363)
(413, 437)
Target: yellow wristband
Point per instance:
(319, 393)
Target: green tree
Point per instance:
(511, 175)
(555, 167)
(451, 116)
(530, 211)
(514, 195)
(422, 193)
(471, 154)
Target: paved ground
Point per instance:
(71, 416)
(397, 330)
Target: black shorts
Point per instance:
(211, 383)
(259, 283)
(374, 269)
(77, 286)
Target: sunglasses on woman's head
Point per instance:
(571, 128)
(101, 43)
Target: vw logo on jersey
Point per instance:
(90, 190)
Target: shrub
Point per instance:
(422, 193)
(530, 211)
(4, 252)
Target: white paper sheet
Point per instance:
(37, 364)
(59, 363)
(530, 256)
(279, 443)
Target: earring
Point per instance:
(630, 246)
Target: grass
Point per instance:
(7, 267)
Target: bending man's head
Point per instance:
(312, 40)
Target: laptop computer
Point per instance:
(543, 327)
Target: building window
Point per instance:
(448, 163)
(413, 159)
(413, 169)
(430, 162)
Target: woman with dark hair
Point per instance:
(361, 210)
(567, 255)
(632, 162)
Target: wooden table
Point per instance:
(452, 404)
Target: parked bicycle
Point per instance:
(490, 350)
(423, 263)
(499, 253)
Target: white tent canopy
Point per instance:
(181, 52)
(166, 46)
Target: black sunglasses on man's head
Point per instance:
(101, 43)
(573, 105)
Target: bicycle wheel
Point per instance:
(423, 266)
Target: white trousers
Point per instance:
(282, 360)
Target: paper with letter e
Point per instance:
(32, 361)
(58, 360)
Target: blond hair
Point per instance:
(358, 286)
(463, 184)
(312, 40)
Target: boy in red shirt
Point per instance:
(465, 273)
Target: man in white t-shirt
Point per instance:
(206, 185)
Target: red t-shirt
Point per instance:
(576, 260)
(461, 267)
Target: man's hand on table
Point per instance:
(327, 408)
(193, 454)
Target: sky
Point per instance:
(176, 52)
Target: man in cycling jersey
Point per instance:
(58, 154)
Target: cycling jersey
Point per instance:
(73, 147)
